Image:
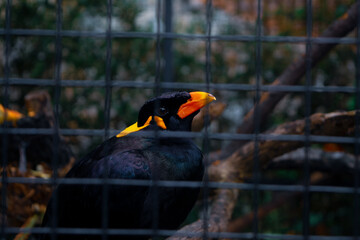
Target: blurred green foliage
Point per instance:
(133, 59)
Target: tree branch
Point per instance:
(279, 200)
(240, 164)
(319, 160)
(292, 75)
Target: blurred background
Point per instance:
(134, 50)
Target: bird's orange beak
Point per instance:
(7, 115)
(197, 101)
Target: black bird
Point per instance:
(29, 150)
(130, 156)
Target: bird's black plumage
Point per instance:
(34, 148)
(134, 157)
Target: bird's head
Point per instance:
(171, 111)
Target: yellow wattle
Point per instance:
(134, 128)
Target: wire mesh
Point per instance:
(164, 50)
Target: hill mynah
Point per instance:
(132, 156)
(29, 150)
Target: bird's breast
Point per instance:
(176, 160)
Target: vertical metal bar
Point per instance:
(155, 171)
(107, 106)
(356, 216)
(158, 49)
(208, 76)
(108, 86)
(206, 141)
(168, 42)
(256, 167)
(57, 93)
(5, 134)
(306, 193)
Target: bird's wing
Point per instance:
(81, 205)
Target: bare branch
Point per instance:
(240, 164)
(279, 200)
(214, 111)
(319, 160)
(292, 75)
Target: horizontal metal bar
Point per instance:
(137, 232)
(160, 232)
(88, 231)
(177, 85)
(301, 237)
(180, 134)
(168, 35)
(182, 184)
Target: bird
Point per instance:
(133, 156)
(30, 150)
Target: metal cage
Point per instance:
(163, 37)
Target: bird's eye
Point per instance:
(162, 111)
